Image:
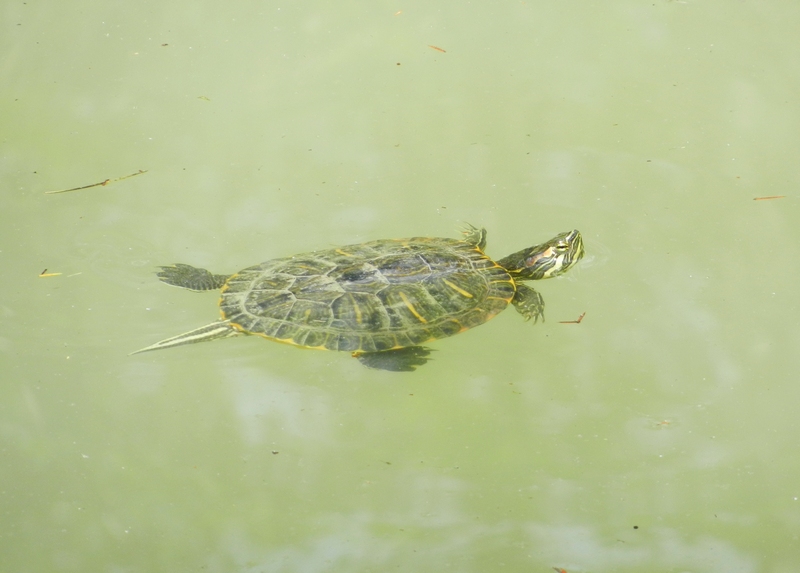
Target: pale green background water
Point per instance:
(661, 434)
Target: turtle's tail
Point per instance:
(219, 329)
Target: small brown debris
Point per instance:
(768, 197)
(580, 318)
(437, 48)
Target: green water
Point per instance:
(660, 434)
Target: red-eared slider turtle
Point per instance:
(380, 300)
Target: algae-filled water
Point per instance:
(660, 434)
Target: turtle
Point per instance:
(380, 300)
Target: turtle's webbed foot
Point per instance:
(397, 360)
(192, 278)
(529, 303)
(474, 236)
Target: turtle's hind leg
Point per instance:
(219, 329)
(192, 278)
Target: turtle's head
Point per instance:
(547, 260)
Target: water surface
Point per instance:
(658, 435)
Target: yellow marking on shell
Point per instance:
(512, 283)
(358, 312)
(346, 254)
(505, 300)
(226, 286)
(357, 353)
(411, 308)
(458, 289)
(289, 341)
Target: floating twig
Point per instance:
(768, 197)
(437, 48)
(101, 184)
(580, 318)
(44, 274)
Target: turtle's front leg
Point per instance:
(529, 303)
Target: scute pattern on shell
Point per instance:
(369, 297)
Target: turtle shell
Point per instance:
(369, 297)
